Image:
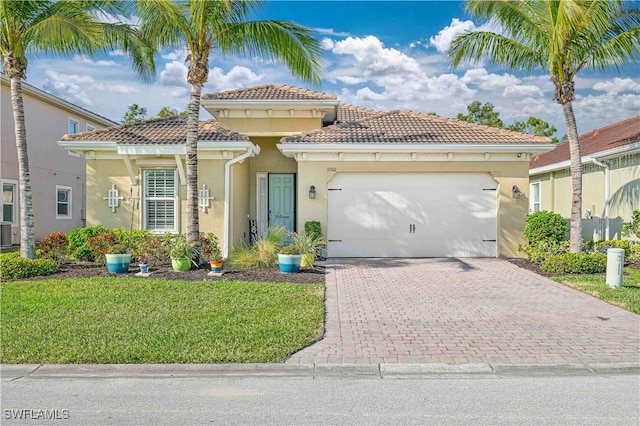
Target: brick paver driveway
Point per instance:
(464, 311)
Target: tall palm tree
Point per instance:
(559, 37)
(64, 27)
(205, 26)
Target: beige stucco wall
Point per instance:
(624, 190)
(240, 184)
(102, 173)
(49, 165)
(511, 215)
(281, 126)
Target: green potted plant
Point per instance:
(182, 253)
(289, 259)
(211, 251)
(306, 245)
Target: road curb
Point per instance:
(312, 371)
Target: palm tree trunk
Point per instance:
(575, 236)
(193, 221)
(27, 235)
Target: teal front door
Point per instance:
(282, 200)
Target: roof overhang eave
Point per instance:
(296, 148)
(154, 149)
(609, 154)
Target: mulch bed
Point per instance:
(527, 264)
(88, 270)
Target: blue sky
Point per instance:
(382, 55)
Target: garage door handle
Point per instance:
(335, 241)
(489, 241)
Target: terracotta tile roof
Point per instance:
(612, 136)
(348, 112)
(412, 127)
(271, 92)
(168, 131)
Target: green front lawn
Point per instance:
(126, 320)
(627, 296)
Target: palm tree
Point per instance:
(561, 38)
(221, 25)
(64, 27)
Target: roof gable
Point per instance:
(167, 131)
(270, 92)
(612, 136)
(412, 127)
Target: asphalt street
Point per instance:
(562, 400)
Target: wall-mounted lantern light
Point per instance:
(516, 192)
(312, 192)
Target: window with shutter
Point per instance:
(160, 199)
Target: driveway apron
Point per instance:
(460, 311)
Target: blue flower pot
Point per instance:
(118, 263)
(289, 263)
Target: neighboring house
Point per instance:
(382, 184)
(610, 180)
(58, 176)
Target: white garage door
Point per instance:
(412, 215)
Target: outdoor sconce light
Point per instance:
(516, 192)
(312, 192)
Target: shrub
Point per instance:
(103, 243)
(576, 263)
(152, 247)
(78, 238)
(210, 246)
(313, 229)
(544, 249)
(263, 254)
(54, 247)
(634, 253)
(602, 246)
(633, 227)
(15, 267)
(544, 225)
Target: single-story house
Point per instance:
(382, 184)
(57, 175)
(610, 179)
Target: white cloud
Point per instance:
(522, 91)
(442, 41)
(69, 87)
(174, 74)
(175, 55)
(366, 94)
(117, 52)
(237, 77)
(330, 32)
(486, 81)
(101, 63)
(617, 85)
(374, 59)
(327, 44)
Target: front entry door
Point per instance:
(282, 200)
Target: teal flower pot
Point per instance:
(289, 263)
(118, 263)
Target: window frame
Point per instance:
(77, 126)
(532, 200)
(69, 202)
(90, 128)
(146, 199)
(14, 212)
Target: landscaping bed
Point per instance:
(87, 270)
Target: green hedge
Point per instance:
(544, 225)
(576, 263)
(15, 267)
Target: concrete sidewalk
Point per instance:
(11, 372)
